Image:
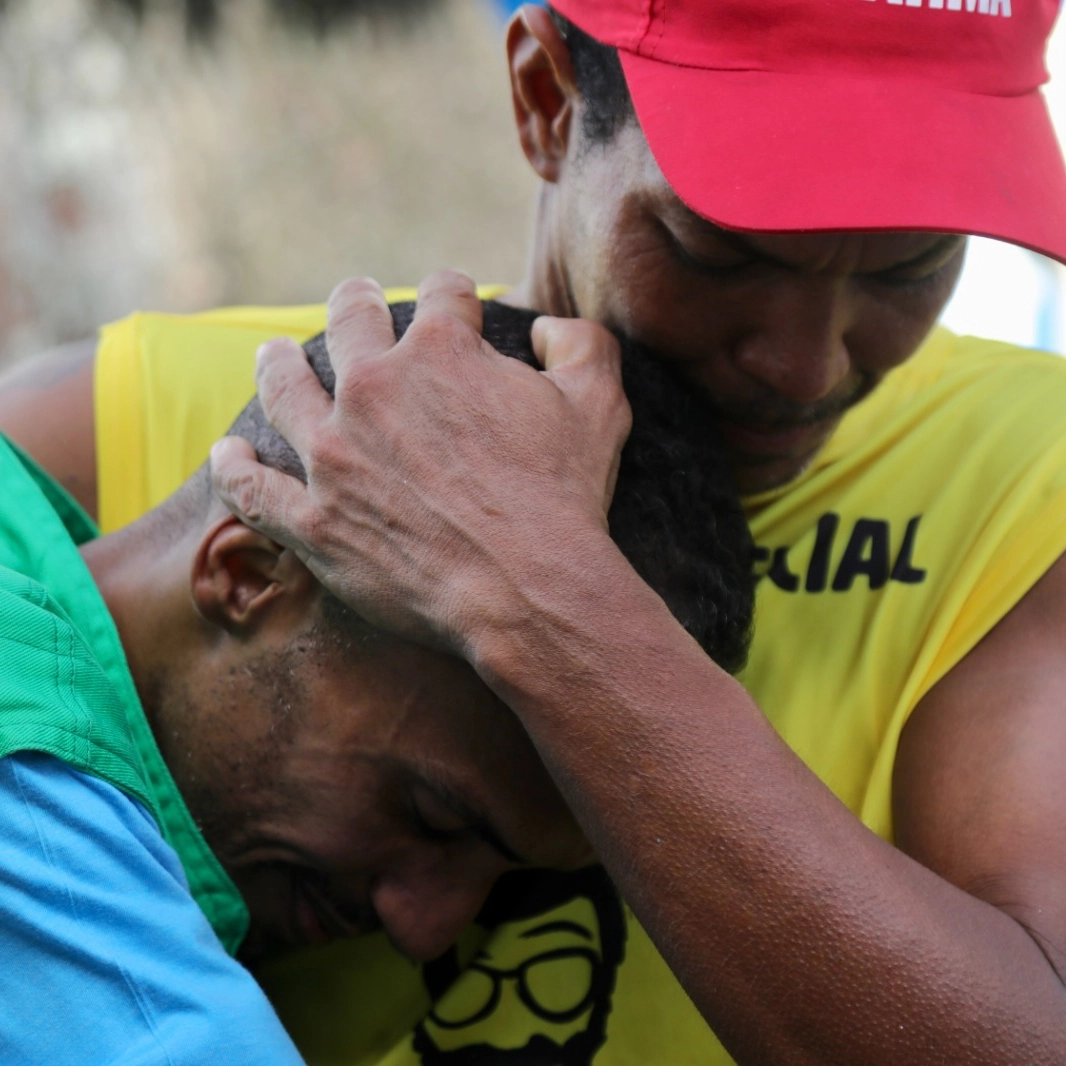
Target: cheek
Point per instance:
(686, 317)
(889, 327)
(890, 323)
(642, 295)
(614, 257)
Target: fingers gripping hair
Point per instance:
(675, 514)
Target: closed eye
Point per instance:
(439, 816)
(729, 263)
(922, 268)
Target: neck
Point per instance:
(142, 574)
(546, 285)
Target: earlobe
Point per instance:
(543, 89)
(240, 576)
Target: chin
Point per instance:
(753, 480)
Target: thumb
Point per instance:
(560, 342)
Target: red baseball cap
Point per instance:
(793, 115)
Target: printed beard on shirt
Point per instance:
(544, 976)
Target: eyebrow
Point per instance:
(739, 242)
(948, 240)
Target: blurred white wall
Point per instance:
(141, 173)
(1007, 292)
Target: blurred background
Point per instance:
(181, 154)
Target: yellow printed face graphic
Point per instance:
(538, 990)
(548, 964)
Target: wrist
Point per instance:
(565, 613)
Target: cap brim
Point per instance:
(751, 150)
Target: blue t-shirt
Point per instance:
(106, 958)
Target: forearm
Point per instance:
(476, 521)
(800, 935)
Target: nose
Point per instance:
(424, 911)
(797, 347)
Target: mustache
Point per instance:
(771, 411)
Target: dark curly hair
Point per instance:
(675, 515)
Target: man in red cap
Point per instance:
(856, 857)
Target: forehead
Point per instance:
(628, 185)
(389, 694)
(415, 718)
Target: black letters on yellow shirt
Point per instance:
(818, 567)
(866, 553)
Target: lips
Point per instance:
(774, 441)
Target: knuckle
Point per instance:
(591, 336)
(607, 403)
(320, 457)
(311, 529)
(599, 382)
(348, 314)
(605, 349)
(438, 331)
(364, 384)
(275, 394)
(588, 348)
(246, 492)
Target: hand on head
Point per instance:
(441, 468)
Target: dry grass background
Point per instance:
(141, 172)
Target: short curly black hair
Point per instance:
(675, 514)
(600, 80)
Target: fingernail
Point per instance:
(219, 449)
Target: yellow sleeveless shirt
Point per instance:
(939, 501)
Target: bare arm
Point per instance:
(801, 936)
(46, 407)
(980, 792)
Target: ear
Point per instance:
(240, 578)
(543, 89)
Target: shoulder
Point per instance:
(960, 401)
(46, 407)
(962, 371)
(94, 903)
(51, 809)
